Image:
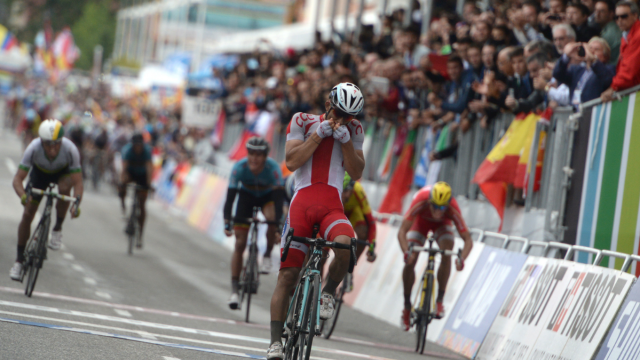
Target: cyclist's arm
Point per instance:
(353, 160)
(298, 152)
(468, 244)
(228, 205)
(402, 234)
(149, 167)
(123, 175)
(78, 187)
(18, 180)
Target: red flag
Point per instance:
(400, 183)
(496, 194)
(239, 150)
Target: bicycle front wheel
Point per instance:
(422, 323)
(34, 269)
(309, 319)
(251, 277)
(329, 325)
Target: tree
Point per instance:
(96, 26)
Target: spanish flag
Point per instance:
(508, 158)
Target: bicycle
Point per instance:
(250, 278)
(303, 316)
(36, 250)
(133, 230)
(327, 326)
(425, 311)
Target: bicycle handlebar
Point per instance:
(320, 243)
(53, 194)
(255, 220)
(435, 251)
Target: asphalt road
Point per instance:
(167, 301)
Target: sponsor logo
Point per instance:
(625, 335)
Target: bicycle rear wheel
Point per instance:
(290, 345)
(132, 226)
(329, 325)
(309, 319)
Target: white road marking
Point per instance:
(90, 281)
(77, 267)
(68, 256)
(174, 328)
(124, 313)
(103, 294)
(169, 358)
(147, 335)
(11, 166)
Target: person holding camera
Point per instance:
(591, 75)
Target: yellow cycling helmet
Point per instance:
(440, 194)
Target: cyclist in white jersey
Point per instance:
(51, 158)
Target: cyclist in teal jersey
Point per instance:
(256, 181)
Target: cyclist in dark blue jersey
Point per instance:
(136, 168)
(256, 181)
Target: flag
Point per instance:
(239, 150)
(387, 154)
(400, 183)
(422, 168)
(501, 165)
(539, 157)
(65, 51)
(218, 130)
(368, 139)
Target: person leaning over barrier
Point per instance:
(627, 71)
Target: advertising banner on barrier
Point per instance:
(573, 327)
(200, 112)
(481, 299)
(623, 341)
(541, 284)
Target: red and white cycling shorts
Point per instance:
(421, 227)
(316, 204)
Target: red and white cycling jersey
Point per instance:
(420, 212)
(326, 166)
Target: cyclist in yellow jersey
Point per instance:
(358, 211)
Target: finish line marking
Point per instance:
(177, 328)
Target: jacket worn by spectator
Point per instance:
(628, 71)
(612, 35)
(584, 32)
(535, 99)
(590, 83)
(458, 94)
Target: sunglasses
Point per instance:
(51, 142)
(439, 207)
(623, 17)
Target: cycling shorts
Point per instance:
(420, 228)
(138, 178)
(39, 179)
(316, 204)
(247, 201)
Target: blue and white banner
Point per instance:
(481, 300)
(623, 340)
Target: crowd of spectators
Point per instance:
(514, 56)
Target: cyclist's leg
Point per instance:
(122, 189)
(244, 209)
(336, 227)
(24, 229)
(409, 273)
(269, 212)
(64, 188)
(359, 227)
(142, 198)
(444, 236)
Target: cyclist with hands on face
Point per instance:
(257, 181)
(433, 209)
(49, 159)
(319, 149)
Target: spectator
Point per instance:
(523, 86)
(590, 76)
(414, 51)
(489, 56)
(535, 63)
(556, 15)
(480, 31)
(457, 90)
(627, 71)
(476, 69)
(591, 6)
(611, 33)
(501, 36)
(505, 66)
(461, 47)
(543, 46)
(562, 35)
(577, 16)
(530, 11)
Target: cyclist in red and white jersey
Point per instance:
(319, 149)
(432, 209)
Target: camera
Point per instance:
(581, 51)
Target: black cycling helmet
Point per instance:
(137, 138)
(257, 143)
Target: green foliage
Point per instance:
(126, 63)
(96, 26)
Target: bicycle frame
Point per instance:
(308, 272)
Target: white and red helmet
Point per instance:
(347, 98)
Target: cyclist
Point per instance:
(358, 211)
(257, 181)
(63, 170)
(432, 209)
(30, 125)
(136, 168)
(319, 149)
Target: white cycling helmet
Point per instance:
(51, 130)
(347, 98)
